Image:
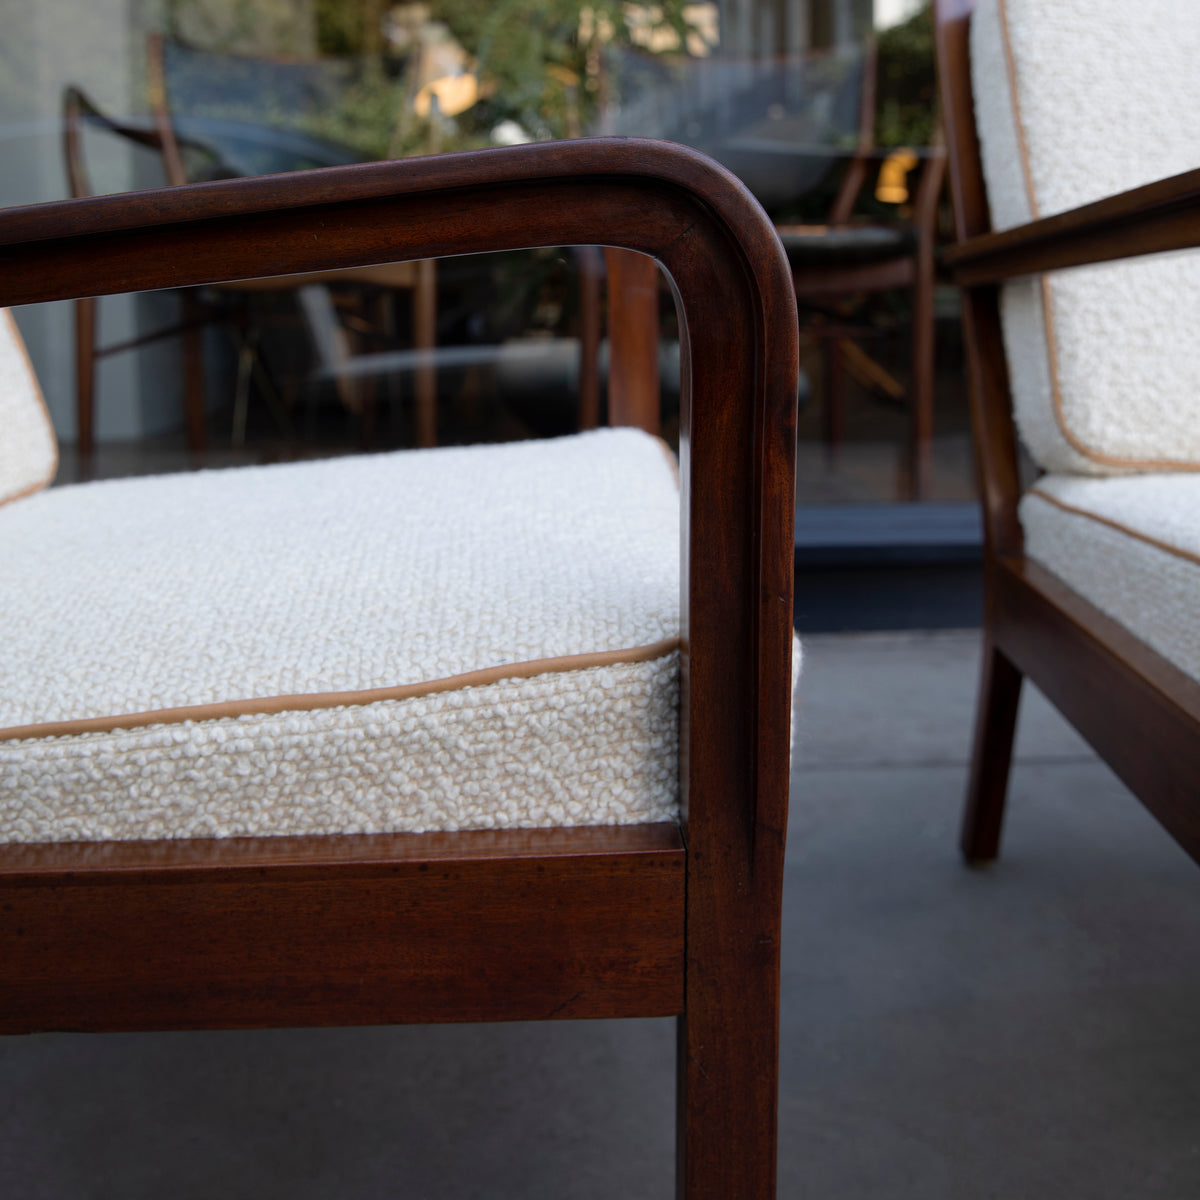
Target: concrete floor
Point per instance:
(1029, 1030)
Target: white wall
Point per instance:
(90, 43)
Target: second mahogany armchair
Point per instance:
(1069, 125)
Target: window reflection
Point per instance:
(795, 96)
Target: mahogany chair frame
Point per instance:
(648, 921)
(1139, 712)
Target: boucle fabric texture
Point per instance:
(297, 584)
(28, 450)
(1076, 100)
(1131, 546)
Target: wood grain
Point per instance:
(1158, 217)
(342, 931)
(633, 385)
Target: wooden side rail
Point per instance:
(367, 929)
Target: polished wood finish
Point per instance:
(1158, 217)
(633, 384)
(1139, 712)
(343, 930)
(738, 334)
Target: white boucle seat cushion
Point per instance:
(1131, 546)
(428, 640)
(28, 449)
(1076, 100)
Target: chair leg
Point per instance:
(995, 726)
(722, 1150)
(85, 376)
(727, 1063)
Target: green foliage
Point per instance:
(538, 62)
(907, 96)
(540, 59)
(345, 28)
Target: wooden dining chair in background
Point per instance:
(230, 305)
(844, 259)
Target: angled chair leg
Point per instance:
(995, 726)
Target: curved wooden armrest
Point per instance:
(738, 334)
(1164, 215)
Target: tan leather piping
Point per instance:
(40, 485)
(1010, 66)
(19, 342)
(1071, 438)
(320, 700)
(1125, 529)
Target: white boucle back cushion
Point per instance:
(445, 639)
(1076, 100)
(28, 451)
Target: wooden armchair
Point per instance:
(1091, 575)
(224, 799)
